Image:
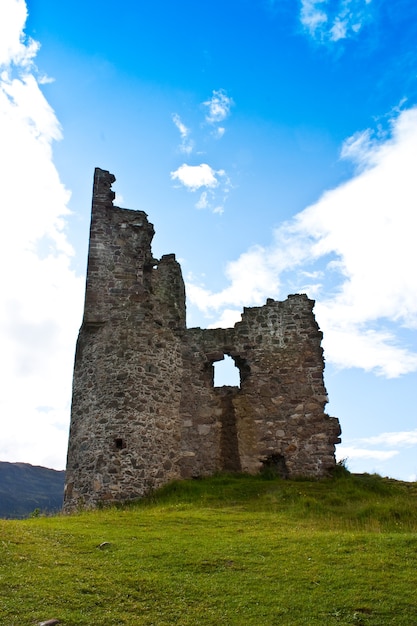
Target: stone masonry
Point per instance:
(145, 410)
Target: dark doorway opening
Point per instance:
(274, 466)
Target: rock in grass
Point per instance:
(49, 622)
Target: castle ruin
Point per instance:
(145, 409)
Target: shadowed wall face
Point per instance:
(145, 409)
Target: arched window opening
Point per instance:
(226, 373)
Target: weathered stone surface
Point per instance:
(145, 409)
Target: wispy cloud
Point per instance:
(350, 452)
(216, 184)
(312, 16)
(353, 250)
(41, 297)
(332, 20)
(218, 107)
(377, 449)
(186, 144)
(403, 439)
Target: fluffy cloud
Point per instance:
(215, 183)
(331, 21)
(41, 297)
(218, 108)
(354, 250)
(196, 176)
(14, 48)
(251, 277)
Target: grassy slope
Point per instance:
(227, 550)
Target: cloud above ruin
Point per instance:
(353, 250)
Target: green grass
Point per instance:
(232, 550)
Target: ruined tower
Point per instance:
(144, 406)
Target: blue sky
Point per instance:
(273, 145)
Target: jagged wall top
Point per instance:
(102, 191)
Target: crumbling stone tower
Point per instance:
(144, 407)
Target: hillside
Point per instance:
(230, 550)
(25, 488)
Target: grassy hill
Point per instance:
(230, 550)
(25, 487)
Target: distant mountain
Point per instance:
(25, 488)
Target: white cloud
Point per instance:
(196, 176)
(215, 183)
(41, 297)
(250, 277)
(186, 144)
(184, 131)
(13, 46)
(350, 452)
(228, 319)
(369, 448)
(45, 80)
(203, 202)
(360, 237)
(402, 439)
(119, 200)
(209, 200)
(312, 17)
(350, 345)
(331, 21)
(218, 107)
(358, 148)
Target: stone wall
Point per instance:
(145, 409)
